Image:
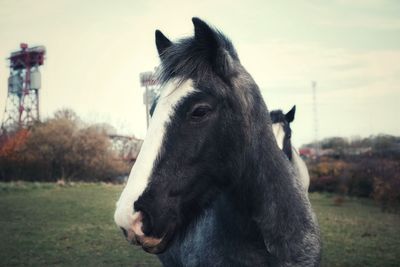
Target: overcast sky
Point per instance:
(96, 50)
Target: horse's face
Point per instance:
(189, 154)
(184, 162)
(281, 129)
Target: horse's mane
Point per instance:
(277, 116)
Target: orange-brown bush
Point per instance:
(11, 151)
(361, 176)
(60, 148)
(328, 175)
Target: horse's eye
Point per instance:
(200, 112)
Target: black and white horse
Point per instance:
(283, 135)
(210, 186)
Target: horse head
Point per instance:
(211, 138)
(281, 128)
(195, 145)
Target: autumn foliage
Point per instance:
(59, 148)
(13, 144)
(370, 176)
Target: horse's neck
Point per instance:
(221, 236)
(265, 219)
(254, 224)
(277, 202)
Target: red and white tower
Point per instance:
(22, 107)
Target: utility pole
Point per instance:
(150, 82)
(315, 113)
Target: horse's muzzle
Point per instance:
(135, 236)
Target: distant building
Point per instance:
(127, 147)
(307, 152)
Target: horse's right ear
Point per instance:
(162, 42)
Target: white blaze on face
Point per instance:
(279, 134)
(138, 180)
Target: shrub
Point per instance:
(60, 147)
(360, 176)
(360, 179)
(11, 151)
(386, 183)
(328, 176)
(326, 183)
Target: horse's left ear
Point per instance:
(290, 115)
(162, 42)
(211, 42)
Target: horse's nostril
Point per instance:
(124, 231)
(146, 223)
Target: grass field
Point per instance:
(72, 225)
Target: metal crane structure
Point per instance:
(22, 106)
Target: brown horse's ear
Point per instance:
(162, 42)
(290, 115)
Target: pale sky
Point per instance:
(96, 50)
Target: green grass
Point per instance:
(357, 233)
(50, 225)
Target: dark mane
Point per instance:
(277, 116)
